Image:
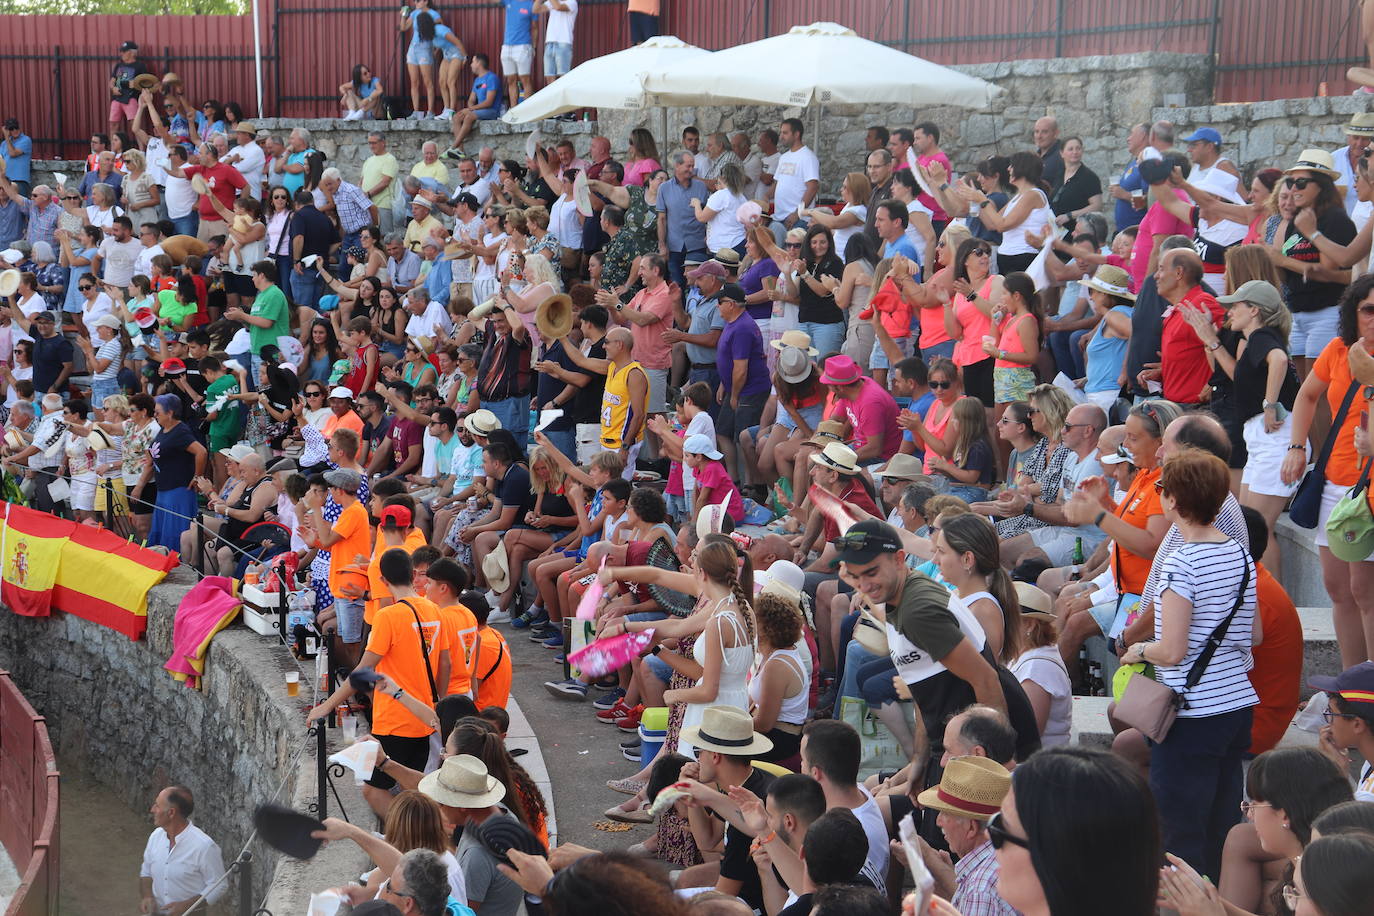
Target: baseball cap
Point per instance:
(1208, 134)
(340, 391)
(344, 479)
(1120, 456)
(865, 541)
(1354, 685)
(173, 366)
(395, 517)
(698, 444)
(732, 291)
(1258, 292)
(708, 269)
(128, 46)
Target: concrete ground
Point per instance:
(579, 752)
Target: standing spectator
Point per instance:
(697, 311)
(797, 178)
(643, 20)
(503, 373)
(11, 221)
(878, 168)
(680, 235)
(270, 317)
(1028, 211)
(114, 261)
(558, 36)
(38, 208)
(142, 197)
(718, 156)
(926, 139)
(649, 315)
(248, 157)
(378, 181)
(180, 862)
(1358, 134)
(1195, 771)
(1048, 148)
(744, 380)
(691, 142)
(17, 152)
(769, 155)
(224, 181)
(1080, 190)
(517, 49)
(421, 21)
(293, 166)
(104, 173)
(52, 351)
(812, 282)
(123, 96)
(1184, 370)
(751, 160)
(1129, 190)
(484, 103)
(176, 458)
(181, 198)
(312, 234)
(350, 207)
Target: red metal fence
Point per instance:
(1264, 48)
(28, 803)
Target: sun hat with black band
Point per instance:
(462, 781)
(727, 730)
(827, 431)
(1361, 124)
(1315, 160)
(971, 787)
(1113, 281)
(1035, 602)
(865, 541)
(838, 457)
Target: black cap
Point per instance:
(468, 199)
(128, 46)
(287, 831)
(732, 291)
(363, 679)
(865, 541)
(502, 833)
(11, 124)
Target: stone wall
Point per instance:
(1274, 133)
(110, 706)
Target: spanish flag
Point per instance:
(105, 579)
(31, 545)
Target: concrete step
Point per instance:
(1320, 654)
(1091, 728)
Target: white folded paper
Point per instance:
(360, 758)
(325, 903)
(546, 417)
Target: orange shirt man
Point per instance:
(447, 580)
(393, 530)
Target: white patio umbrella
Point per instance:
(612, 81)
(822, 63)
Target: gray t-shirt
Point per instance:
(496, 894)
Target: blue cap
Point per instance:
(1354, 685)
(1204, 133)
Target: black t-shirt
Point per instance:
(376, 435)
(1147, 329)
(123, 74)
(1314, 296)
(547, 387)
(514, 490)
(1075, 193)
(1252, 375)
(536, 186)
(587, 404)
(173, 464)
(817, 308)
(1223, 388)
(801, 908)
(49, 353)
(736, 864)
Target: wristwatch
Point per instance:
(398, 693)
(655, 650)
(1029, 511)
(1214, 345)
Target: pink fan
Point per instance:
(831, 507)
(606, 655)
(586, 608)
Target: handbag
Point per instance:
(1151, 706)
(1306, 507)
(1350, 526)
(870, 633)
(436, 741)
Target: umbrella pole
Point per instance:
(816, 140)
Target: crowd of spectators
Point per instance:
(923, 458)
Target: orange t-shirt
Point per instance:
(1141, 502)
(1277, 675)
(460, 631)
(352, 526)
(395, 639)
(378, 591)
(1333, 367)
(350, 420)
(494, 668)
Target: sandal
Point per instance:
(637, 816)
(626, 786)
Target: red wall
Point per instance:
(28, 803)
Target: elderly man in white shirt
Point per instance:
(180, 863)
(427, 317)
(247, 157)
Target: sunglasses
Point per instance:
(982, 252)
(71, 197)
(999, 837)
(86, 287)
(314, 394)
(1299, 184)
(941, 386)
(794, 244)
(1367, 310)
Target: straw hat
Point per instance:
(199, 184)
(9, 282)
(795, 338)
(15, 439)
(971, 787)
(482, 422)
(902, 467)
(1361, 125)
(144, 81)
(496, 568)
(424, 344)
(553, 317)
(482, 309)
(1035, 602)
(827, 431)
(794, 365)
(725, 730)
(1113, 281)
(463, 782)
(1315, 160)
(730, 258)
(99, 439)
(838, 457)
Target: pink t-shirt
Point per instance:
(937, 215)
(976, 324)
(636, 172)
(872, 413)
(650, 349)
(1157, 221)
(712, 476)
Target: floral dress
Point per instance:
(675, 843)
(641, 221)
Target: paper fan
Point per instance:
(662, 556)
(606, 655)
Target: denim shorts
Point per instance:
(420, 53)
(348, 613)
(878, 358)
(1312, 331)
(659, 668)
(557, 58)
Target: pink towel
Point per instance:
(204, 611)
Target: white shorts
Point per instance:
(1331, 494)
(588, 442)
(517, 60)
(1265, 454)
(1057, 542)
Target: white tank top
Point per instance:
(875, 863)
(913, 663)
(1014, 238)
(794, 709)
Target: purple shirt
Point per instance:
(751, 281)
(741, 339)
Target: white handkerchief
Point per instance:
(325, 903)
(547, 417)
(360, 758)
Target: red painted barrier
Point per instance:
(28, 803)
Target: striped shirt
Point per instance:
(1230, 522)
(1208, 575)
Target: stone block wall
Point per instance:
(111, 707)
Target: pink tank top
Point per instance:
(936, 426)
(933, 322)
(1010, 341)
(976, 324)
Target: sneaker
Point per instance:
(498, 617)
(445, 115)
(610, 700)
(631, 742)
(560, 658)
(630, 753)
(614, 714)
(455, 154)
(539, 634)
(630, 721)
(571, 689)
(530, 618)
(555, 640)
(416, 116)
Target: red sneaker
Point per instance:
(630, 722)
(614, 714)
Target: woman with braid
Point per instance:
(722, 578)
